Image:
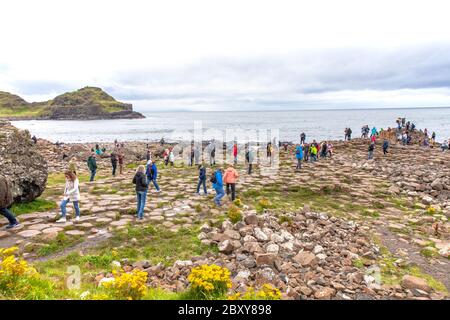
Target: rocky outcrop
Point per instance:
(88, 103)
(21, 163)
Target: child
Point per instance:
(71, 193)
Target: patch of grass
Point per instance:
(60, 243)
(37, 205)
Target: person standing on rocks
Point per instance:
(229, 178)
(235, 153)
(71, 193)
(313, 152)
(92, 165)
(212, 156)
(141, 190)
(250, 157)
(148, 156)
(114, 161)
(302, 138)
(217, 184)
(385, 146)
(6, 199)
(171, 157)
(349, 134)
(121, 158)
(299, 156)
(201, 179)
(152, 174)
(371, 150)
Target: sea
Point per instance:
(284, 125)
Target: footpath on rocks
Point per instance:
(340, 228)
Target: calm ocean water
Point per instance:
(317, 124)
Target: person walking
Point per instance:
(371, 150)
(235, 153)
(71, 193)
(212, 156)
(92, 165)
(349, 134)
(385, 146)
(217, 184)
(141, 183)
(201, 179)
(249, 156)
(171, 157)
(6, 200)
(114, 161)
(313, 152)
(299, 156)
(121, 158)
(152, 174)
(229, 178)
(148, 155)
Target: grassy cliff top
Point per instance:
(9, 100)
(91, 101)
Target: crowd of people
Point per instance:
(223, 181)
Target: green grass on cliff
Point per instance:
(23, 111)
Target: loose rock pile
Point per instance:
(310, 257)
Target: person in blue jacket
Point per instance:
(385, 146)
(374, 132)
(217, 183)
(201, 179)
(299, 156)
(152, 174)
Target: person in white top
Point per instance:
(71, 193)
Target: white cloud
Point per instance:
(49, 47)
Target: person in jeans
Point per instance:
(6, 199)
(152, 174)
(217, 184)
(141, 183)
(201, 179)
(92, 165)
(71, 193)
(229, 178)
(299, 156)
(371, 149)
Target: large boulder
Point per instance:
(21, 163)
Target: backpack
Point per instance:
(6, 197)
(213, 178)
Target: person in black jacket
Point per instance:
(201, 179)
(140, 180)
(114, 160)
(371, 150)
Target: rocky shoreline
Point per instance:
(329, 231)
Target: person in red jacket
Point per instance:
(235, 152)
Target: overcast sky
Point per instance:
(230, 55)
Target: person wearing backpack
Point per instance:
(6, 200)
(201, 179)
(92, 165)
(141, 190)
(299, 156)
(152, 174)
(217, 184)
(229, 178)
